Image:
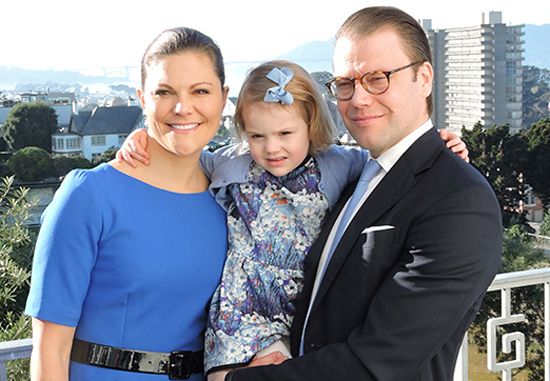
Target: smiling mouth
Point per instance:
(184, 127)
(365, 118)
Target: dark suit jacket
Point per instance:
(395, 304)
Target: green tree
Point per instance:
(536, 94)
(29, 124)
(107, 155)
(538, 170)
(545, 226)
(15, 240)
(31, 164)
(63, 164)
(500, 157)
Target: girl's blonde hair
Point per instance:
(307, 98)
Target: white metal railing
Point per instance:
(505, 283)
(12, 350)
(542, 242)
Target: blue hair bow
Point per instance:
(278, 93)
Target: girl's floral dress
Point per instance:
(272, 225)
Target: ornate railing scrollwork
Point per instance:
(508, 339)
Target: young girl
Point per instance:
(276, 191)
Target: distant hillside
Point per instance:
(21, 76)
(314, 56)
(537, 48)
(317, 55)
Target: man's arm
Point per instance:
(451, 255)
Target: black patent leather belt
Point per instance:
(178, 365)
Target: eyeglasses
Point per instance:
(375, 83)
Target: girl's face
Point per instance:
(278, 136)
(183, 101)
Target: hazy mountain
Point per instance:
(14, 75)
(314, 56)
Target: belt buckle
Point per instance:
(179, 367)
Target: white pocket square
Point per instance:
(371, 229)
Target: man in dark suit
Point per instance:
(390, 294)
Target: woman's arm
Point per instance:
(51, 351)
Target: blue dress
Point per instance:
(128, 264)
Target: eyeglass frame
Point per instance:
(360, 79)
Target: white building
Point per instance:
(91, 133)
(478, 74)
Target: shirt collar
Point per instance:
(390, 157)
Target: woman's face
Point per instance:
(183, 100)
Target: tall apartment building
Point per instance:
(477, 74)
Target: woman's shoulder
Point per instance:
(85, 179)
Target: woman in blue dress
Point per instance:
(119, 295)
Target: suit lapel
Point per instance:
(394, 186)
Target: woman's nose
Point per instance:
(182, 107)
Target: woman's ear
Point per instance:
(225, 91)
(141, 97)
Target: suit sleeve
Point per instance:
(450, 256)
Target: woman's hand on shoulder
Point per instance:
(134, 148)
(455, 144)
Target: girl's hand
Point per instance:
(273, 358)
(455, 144)
(134, 148)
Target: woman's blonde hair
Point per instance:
(307, 98)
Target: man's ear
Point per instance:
(425, 75)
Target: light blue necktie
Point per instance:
(369, 171)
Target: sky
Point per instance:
(89, 35)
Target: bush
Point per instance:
(545, 226)
(31, 164)
(16, 243)
(63, 164)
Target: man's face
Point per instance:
(378, 122)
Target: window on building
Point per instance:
(60, 144)
(98, 140)
(73, 143)
(121, 139)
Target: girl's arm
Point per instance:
(134, 148)
(51, 351)
(455, 144)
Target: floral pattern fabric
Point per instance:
(272, 225)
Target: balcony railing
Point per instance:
(13, 350)
(505, 283)
(511, 342)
